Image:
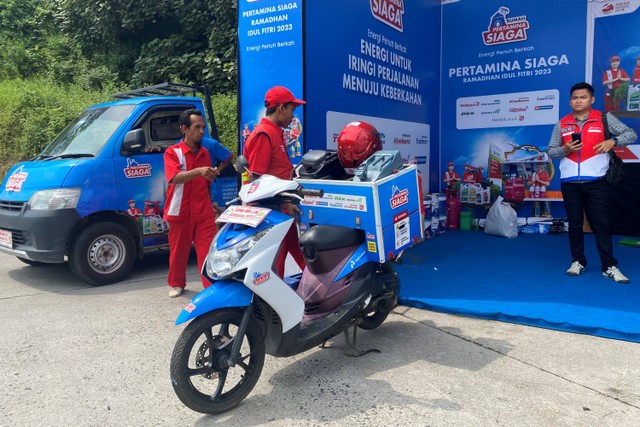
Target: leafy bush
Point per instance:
(225, 108)
(34, 111)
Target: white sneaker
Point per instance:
(616, 275)
(576, 269)
(175, 292)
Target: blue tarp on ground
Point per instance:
(523, 281)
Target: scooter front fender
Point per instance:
(221, 294)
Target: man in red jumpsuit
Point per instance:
(266, 152)
(188, 209)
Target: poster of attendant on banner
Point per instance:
(613, 63)
(270, 54)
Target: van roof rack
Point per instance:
(162, 89)
(174, 89)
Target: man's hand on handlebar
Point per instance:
(292, 210)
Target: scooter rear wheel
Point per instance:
(376, 318)
(200, 372)
(373, 320)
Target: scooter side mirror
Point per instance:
(242, 165)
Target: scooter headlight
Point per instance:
(220, 263)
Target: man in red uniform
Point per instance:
(612, 79)
(541, 177)
(451, 177)
(266, 152)
(188, 209)
(636, 72)
(245, 132)
(133, 210)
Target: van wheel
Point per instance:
(102, 253)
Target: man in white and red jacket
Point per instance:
(188, 209)
(579, 140)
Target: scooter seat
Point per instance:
(326, 237)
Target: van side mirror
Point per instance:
(134, 141)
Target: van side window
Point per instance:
(163, 128)
(163, 131)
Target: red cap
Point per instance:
(279, 95)
(450, 164)
(614, 57)
(132, 201)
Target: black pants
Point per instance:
(591, 198)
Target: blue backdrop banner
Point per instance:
(270, 54)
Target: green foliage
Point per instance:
(29, 20)
(34, 112)
(98, 44)
(225, 108)
(31, 45)
(24, 25)
(146, 42)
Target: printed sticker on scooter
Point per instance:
(260, 278)
(190, 307)
(254, 187)
(349, 202)
(246, 215)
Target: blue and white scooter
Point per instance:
(249, 311)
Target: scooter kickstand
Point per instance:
(350, 345)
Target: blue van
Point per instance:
(95, 195)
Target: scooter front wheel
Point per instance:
(203, 375)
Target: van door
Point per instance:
(142, 186)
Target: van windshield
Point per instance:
(85, 136)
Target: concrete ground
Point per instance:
(75, 355)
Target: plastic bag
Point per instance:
(501, 220)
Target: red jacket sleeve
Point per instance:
(171, 164)
(258, 154)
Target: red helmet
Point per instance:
(356, 142)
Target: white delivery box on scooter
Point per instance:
(387, 208)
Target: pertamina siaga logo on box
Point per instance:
(15, 181)
(136, 170)
(505, 30)
(399, 197)
(389, 11)
(260, 278)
